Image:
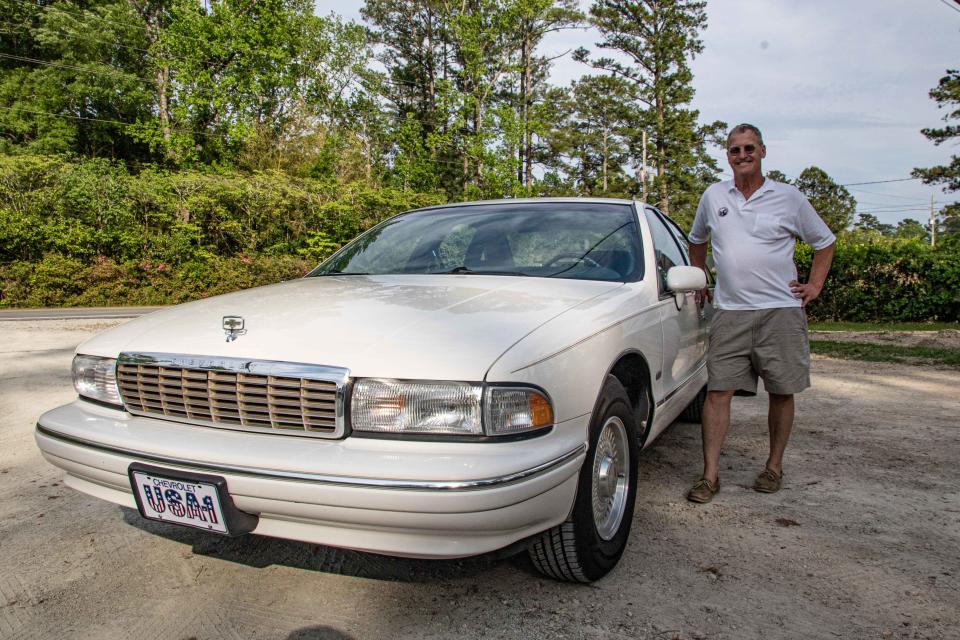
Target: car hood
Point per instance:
(415, 327)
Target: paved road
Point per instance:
(75, 313)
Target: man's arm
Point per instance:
(698, 258)
(698, 255)
(822, 258)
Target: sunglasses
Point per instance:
(747, 149)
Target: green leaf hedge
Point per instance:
(91, 232)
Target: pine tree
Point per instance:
(659, 38)
(947, 95)
(831, 200)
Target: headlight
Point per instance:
(96, 378)
(396, 406)
(446, 408)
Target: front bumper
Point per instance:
(417, 499)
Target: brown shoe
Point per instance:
(768, 481)
(703, 491)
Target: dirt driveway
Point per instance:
(863, 542)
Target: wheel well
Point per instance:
(634, 374)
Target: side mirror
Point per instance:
(684, 278)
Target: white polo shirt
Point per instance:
(753, 242)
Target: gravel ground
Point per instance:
(862, 542)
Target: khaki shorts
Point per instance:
(767, 343)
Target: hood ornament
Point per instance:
(233, 327)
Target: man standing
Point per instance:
(760, 327)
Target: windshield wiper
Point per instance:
(336, 272)
(463, 269)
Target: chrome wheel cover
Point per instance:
(611, 478)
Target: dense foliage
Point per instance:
(90, 233)
(947, 95)
(882, 279)
(156, 151)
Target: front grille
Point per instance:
(263, 396)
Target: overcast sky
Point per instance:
(838, 84)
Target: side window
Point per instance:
(685, 247)
(679, 236)
(667, 252)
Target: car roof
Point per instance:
(529, 201)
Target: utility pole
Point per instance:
(643, 170)
(933, 224)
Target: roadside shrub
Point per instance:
(887, 280)
(90, 232)
(60, 281)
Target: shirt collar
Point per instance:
(768, 185)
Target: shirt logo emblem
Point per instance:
(722, 212)
(233, 327)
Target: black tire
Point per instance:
(694, 411)
(581, 549)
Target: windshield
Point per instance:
(585, 241)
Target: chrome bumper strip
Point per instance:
(368, 483)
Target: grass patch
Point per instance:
(883, 326)
(886, 353)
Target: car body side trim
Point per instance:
(682, 384)
(369, 483)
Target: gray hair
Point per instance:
(743, 128)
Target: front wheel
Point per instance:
(590, 542)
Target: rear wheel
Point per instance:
(590, 542)
(694, 410)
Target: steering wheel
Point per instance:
(572, 257)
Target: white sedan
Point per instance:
(456, 380)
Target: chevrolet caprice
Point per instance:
(456, 380)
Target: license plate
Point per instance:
(180, 500)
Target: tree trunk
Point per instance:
(162, 81)
(521, 154)
(606, 151)
(661, 159)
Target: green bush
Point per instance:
(90, 232)
(60, 281)
(887, 280)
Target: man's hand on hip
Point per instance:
(805, 292)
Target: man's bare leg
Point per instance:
(780, 423)
(716, 423)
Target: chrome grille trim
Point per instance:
(235, 393)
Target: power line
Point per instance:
(64, 115)
(954, 7)
(117, 73)
(64, 32)
(885, 195)
(73, 10)
(114, 73)
(887, 204)
(895, 210)
(118, 122)
(853, 184)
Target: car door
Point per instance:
(683, 345)
(705, 310)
